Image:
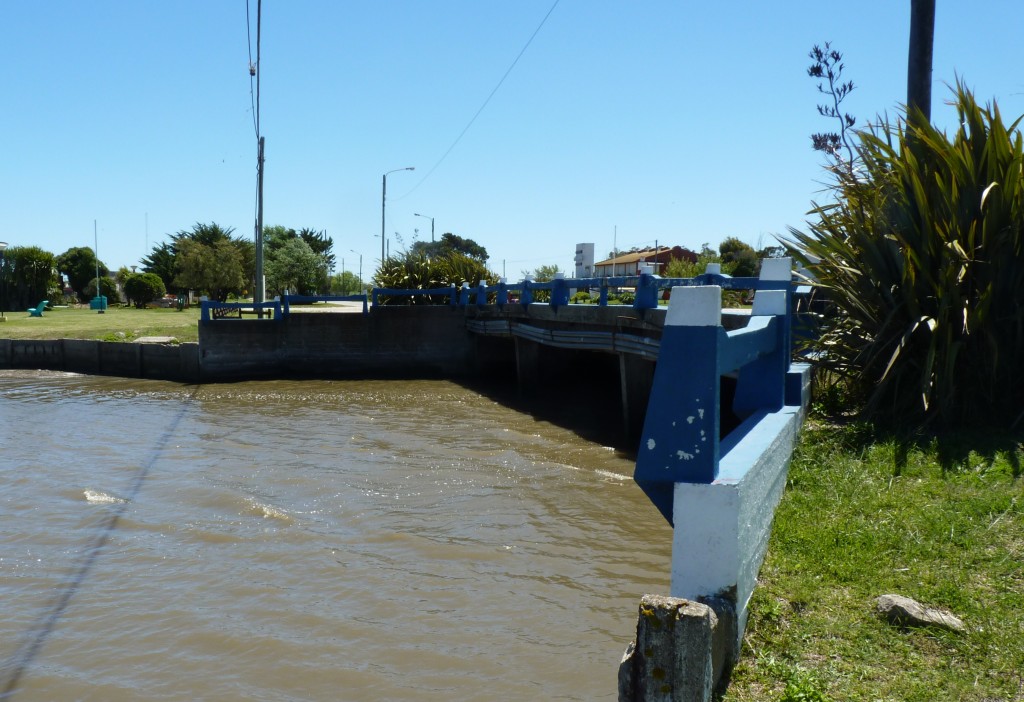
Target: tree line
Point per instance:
(206, 259)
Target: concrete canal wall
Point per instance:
(178, 362)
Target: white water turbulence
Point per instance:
(315, 540)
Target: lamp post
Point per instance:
(431, 224)
(383, 204)
(3, 280)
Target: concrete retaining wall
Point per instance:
(178, 362)
(392, 341)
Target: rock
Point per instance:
(904, 611)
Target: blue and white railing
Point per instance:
(720, 493)
(277, 309)
(648, 290)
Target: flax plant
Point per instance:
(922, 258)
(417, 271)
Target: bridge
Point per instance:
(708, 395)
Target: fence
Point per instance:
(720, 492)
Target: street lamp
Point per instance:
(3, 279)
(431, 224)
(383, 202)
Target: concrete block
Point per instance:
(679, 654)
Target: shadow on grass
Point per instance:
(956, 451)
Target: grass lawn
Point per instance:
(83, 323)
(939, 521)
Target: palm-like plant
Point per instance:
(922, 256)
(418, 271)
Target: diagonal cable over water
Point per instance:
(486, 102)
(17, 664)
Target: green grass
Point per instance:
(864, 516)
(79, 323)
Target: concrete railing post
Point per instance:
(646, 292)
(680, 437)
(559, 291)
(481, 294)
(527, 297)
(762, 384)
(679, 653)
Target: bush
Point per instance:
(143, 288)
(417, 271)
(922, 257)
(108, 287)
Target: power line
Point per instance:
(252, 70)
(484, 105)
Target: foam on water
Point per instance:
(97, 497)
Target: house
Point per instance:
(629, 263)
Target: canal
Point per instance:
(311, 540)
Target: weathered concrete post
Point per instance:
(678, 654)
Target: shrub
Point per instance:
(922, 257)
(143, 288)
(417, 271)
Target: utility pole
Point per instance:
(259, 291)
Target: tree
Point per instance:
(321, 244)
(450, 243)
(919, 60)
(346, 283)
(738, 258)
(108, 288)
(215, 269)
(294, 267)
(79, 265)
(30, 276)
(543, 274)
(681, 268)
(161, 262)
(143, 288)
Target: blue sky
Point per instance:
(674, 121)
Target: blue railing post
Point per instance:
(464, 294)
(481, 294)
(603, 301)
(527, 297)
(501, 298)
(559, 291)
(680, 437)
(646, 292)
(762, 383)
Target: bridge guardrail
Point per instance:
(648, 290)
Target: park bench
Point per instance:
(37, 311)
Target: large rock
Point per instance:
(904, 611)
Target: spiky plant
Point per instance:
(922, 256)
(417, 271)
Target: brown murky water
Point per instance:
(344, 540)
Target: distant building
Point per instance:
(630, 263)
(584, 261)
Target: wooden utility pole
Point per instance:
(919, 63)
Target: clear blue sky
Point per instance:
(674, 121)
